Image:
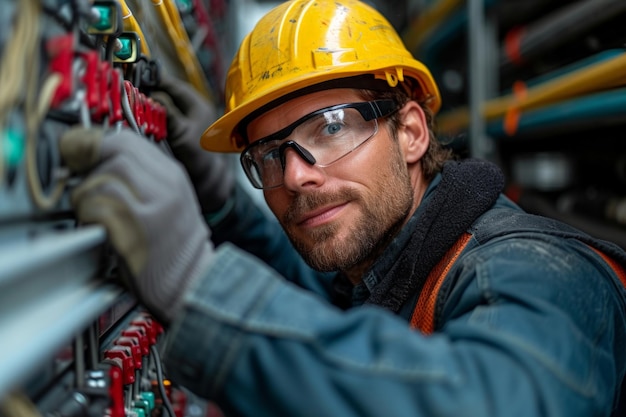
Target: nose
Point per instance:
(299, 169)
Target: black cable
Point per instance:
(159, 369)
(109, 48)
(53, 12)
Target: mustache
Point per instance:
(304, 203)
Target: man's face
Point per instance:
(338, 216)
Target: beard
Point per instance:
(383, 212)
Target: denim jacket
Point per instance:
(528, 323)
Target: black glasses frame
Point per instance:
(369, 110)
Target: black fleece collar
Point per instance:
(467, 189)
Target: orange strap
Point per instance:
(511, 119)
(617, 268)
(424, 314)
(423, 317)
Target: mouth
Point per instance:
(320, 216)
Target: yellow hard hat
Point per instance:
(304, 43)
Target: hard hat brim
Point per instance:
(222, 135)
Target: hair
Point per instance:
(436, 154)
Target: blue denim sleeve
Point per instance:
(521, 338)
(244, 224)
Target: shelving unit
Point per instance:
(538, 87)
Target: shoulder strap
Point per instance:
(616, 267)
(423, 317)
(621, 274)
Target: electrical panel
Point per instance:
(74, 342)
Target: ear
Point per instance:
(413, 133)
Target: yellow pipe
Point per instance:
(604, 75)
(170, 18)
(130, 24)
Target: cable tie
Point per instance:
(513, 114)
(512, 44)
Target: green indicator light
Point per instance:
(149, 397)
(105, 22)
(143, 405)
(184, 5)
(12, 147)
(126, 49)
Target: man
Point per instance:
(466, 305)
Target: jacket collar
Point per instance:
(453, 201)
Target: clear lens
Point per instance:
(327, 134)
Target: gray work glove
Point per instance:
(188, 115)
(145, 201)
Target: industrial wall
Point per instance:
(538, 87)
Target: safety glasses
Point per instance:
(322, 138)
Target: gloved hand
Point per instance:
(145, 201)
(188, 115)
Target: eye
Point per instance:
(333, 128)
(271, 154)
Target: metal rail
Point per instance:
(48, 294)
